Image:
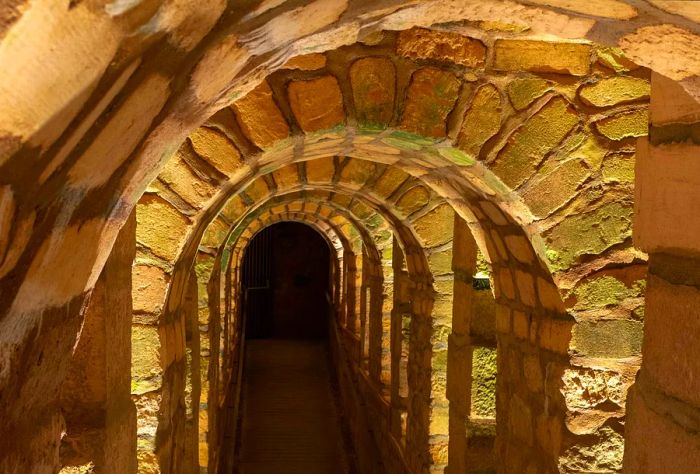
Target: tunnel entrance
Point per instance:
(290, 419)
(285, 283)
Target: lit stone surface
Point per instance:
(435, 227)
(149, 286)
(603, 8)
(432, 95)
(542, 56)
(615, 90)
(482, 120)
(216, 149)
(160, 226)
(306, 62)
(624, 125)
(413, 200)
(590, 233)
(180, 178)
(556, 188)
(373, 83)
(523, 92)
(317, 103)
(530, 143)
(260, 117)
(441, 45)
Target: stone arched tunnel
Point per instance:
(280, 236)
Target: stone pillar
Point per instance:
(663, 406)
(459, 354)
(96, 394)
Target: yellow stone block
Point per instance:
(260, 118)
(542, 56)
(317, 103)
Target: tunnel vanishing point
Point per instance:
(349, 236)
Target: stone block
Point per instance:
(481, 121)
(161, 227)
(556, 188)
(520, 420)
(618, 168)
(373, 82)
(183, 181)
(614, 90)
(260, 118)
(436, 227)
(532, 370)
(526, 288)
(549, 295)
(216, 149)
(503, 323)
(356, 173)
(589, 233)
(529, 144)
(628, 124)
(667, 194)
(672, 338)
(520, 248)
(431, 96)
(521, 324)
(542, 56)
(149, 285)
(317, 104)
(655, 443)
(608, 339)
(412, 200)
(523, 92)
(505, 283)
(445, 46)
(555, 334)
(306, 62)
(320, 170)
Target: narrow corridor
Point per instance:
(290, 423)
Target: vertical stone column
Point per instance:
(663, 406)
(399, 355)
(459, 353)
(96, 394)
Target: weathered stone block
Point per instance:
(481, 121)
(589, 233)
(523, 92)
(630, 124)
(373, 82)
(556, 188)
(614, 90)
(160, 227)
(414, 199)
(442, 46)
(149, 285)
(317, 104)
(542, 56)
(613, 339)
(435, 228)
(526, 288)
(530, 143)
(431, 96)
(215, 148)
(260, 118)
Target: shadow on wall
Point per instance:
(285, 283)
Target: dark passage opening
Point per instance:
(290, 420)
(285, 282)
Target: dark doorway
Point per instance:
(285, 283)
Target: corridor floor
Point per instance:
(290, 422)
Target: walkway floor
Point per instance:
(290, 423)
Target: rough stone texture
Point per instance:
(373, 83)
(216, 149)
(615, 90)
(432, 95)
(624, 125)
(260, 117)
(482, 120)
(523, 92)
(442, 46)
(529, 144)
(542, 56)
(317, 104)
(160, 226)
